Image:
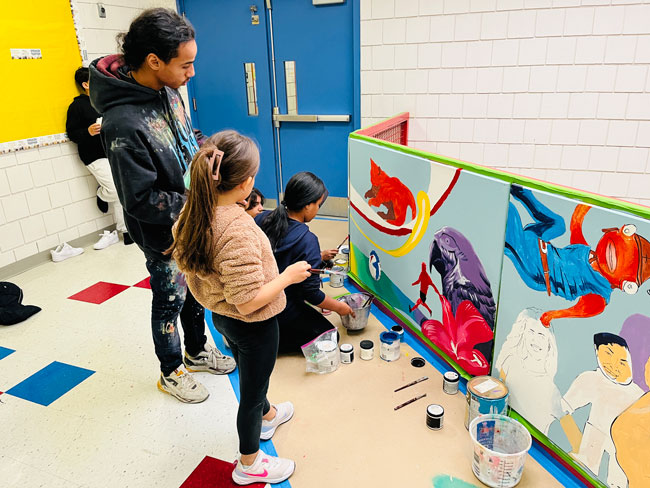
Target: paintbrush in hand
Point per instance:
(325, 271)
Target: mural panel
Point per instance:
(573, 329)
(428, 239)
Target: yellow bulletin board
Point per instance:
(36, 92)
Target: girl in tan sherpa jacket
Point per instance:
(230, 269)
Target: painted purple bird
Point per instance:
(463, 276)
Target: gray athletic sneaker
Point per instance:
(181, 385)
(265, 469)
(211, 360)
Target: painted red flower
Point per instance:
(458, 335)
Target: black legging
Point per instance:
(254, 346)
(304, 325)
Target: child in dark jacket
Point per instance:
(292, 241)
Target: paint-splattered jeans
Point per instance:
(254, 346)
(172, 298)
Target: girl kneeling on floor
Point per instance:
(292, 241)
(230, 269)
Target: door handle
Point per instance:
(277, 118)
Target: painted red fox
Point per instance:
(392, 193)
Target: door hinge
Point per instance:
(194, 103)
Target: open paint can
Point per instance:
(337, 278)
(389, 348)
(485, 394)
(342, 262)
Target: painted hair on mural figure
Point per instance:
(156, 31)
(302, 189)
(531, 342)
(226, 160)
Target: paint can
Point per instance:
(347, 353)
(366, 350)
(450, 382)
(485, 394)
(328, 360)
(399, 330)
(389, 346)
(342, 262)
(344, 249)
(338, 277)
(435, 416)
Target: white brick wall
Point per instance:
(554, 89)
(46, 194)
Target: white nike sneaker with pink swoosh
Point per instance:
(265, 469)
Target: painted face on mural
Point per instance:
(615, 362)
(536, 340)
(180, 69)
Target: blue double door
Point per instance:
(285, 72)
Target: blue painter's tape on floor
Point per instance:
(50, 383)
(266, 446)
(566, 478)
(4, 352)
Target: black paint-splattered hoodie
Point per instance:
(149, 144)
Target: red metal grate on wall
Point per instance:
(393, 130)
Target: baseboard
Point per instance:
(35, 260)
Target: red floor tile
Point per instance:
(144, 283)
(99, 292)
(213, 473)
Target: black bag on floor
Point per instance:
(12, 311)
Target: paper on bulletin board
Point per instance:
(36, 90)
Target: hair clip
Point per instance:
(217, 156)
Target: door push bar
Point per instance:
(277, 118)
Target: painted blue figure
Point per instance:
(374, 265)
(621, 259)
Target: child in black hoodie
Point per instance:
(292, 241)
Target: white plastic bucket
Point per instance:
(501, 446)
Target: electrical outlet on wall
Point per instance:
(101, 10)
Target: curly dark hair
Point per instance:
(157, 30)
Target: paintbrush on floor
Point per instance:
(408, 402)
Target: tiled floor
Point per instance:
(80, 406)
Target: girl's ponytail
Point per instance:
(192, 248)
(225, 160)
(302, 189)
(275, 224)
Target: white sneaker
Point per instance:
(65, 251)
(211, 360)
(283, 413)
(107, 239)
(182, 386)
(265, 469)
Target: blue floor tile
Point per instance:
(51, 382)
(4, 352)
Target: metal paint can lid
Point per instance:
(366, 344)
(417, 362)
(451, 376)
(487, 387)
(435, 410)
(346, 348)
(339, 269)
